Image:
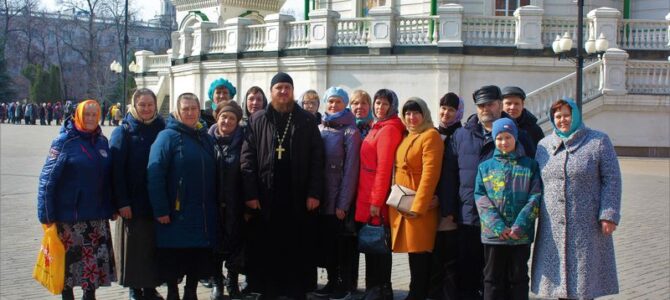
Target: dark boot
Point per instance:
(233, 286)
(173, 292)
(135, 294)
(88, 295)
(67, 293)
(217, 289)
(151, 294)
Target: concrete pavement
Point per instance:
(642, 241)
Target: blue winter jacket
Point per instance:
(130, 145)
(75, 183)
(342, 144)
(470, 147)
(508, 194)
(180, 174)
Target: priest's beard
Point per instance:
(283, 107)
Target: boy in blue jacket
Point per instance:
(508, 191)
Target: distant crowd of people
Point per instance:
(274, 188)
(30, 113)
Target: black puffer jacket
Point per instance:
(306, 154)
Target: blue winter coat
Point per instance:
(130, 145)
(180, 174)
(470, 147)
(342, 144)
(75, 183)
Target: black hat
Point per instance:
(281, 77)
(487, 94)
(513, 91)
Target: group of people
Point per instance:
(274, 189)
(30, 113)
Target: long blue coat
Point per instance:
(130, 145)
(342, 145)
(181, 173)
(582, 185)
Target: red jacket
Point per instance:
(377, 156)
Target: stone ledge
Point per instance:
(643, 151)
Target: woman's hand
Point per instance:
(126, 212)
(505, 235)
(434, 202)
(374, 211)
(607, 227)
(340, 214)
(164, 219)
(253, 204)
(312, 203)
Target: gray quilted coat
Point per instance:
(582, 185)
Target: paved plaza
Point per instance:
(642, 241)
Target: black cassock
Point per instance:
(281, 247)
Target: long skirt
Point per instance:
(135, 247)
(89, 258)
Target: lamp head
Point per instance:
(601, 43)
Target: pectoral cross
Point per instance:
(280, 150)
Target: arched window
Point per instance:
(507, 7)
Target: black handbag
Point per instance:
(374, 239)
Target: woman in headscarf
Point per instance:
(342, 143)
(229, 136)
(574, 252)
(374, 183)
(182, 192)
(219, 90)
(74, 195)
(361, 107)
(443, 275)
(418, 163)
(254, 100)
(135, 240)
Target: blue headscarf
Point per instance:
(576, 120)
(340, 93)
(221, 82)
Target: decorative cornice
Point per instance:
(262, 5)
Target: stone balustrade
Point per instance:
(385, 29)
(648, 77)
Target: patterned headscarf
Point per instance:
(78, 117)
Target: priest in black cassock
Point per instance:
(282, 166)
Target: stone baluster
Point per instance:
(667, 18)
(236, 33)
(201, 37)
(142, 60)
(451, 25)
(614, 72)
(276, 31)
(323, 27)
(528, 27)
(382, 27)
(605, 20)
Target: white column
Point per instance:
(201, 37)
(323, 24)
(528, 27)
(614, 72)
(142, 61)
(276, 31)
(176, 43)
(451, 25)
(605, 20)
(236, 33)
(667, 18)
(382, 27)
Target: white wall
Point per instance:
(649, 9)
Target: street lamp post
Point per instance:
(124, 57)
(594, 48)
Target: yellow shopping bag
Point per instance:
(50, 266)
